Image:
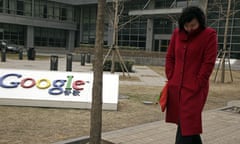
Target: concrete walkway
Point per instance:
(220, 127)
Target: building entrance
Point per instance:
(160, 42)
(160, 45)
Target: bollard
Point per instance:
(69, 62)
(31, 54)
(88, 58)
(82, 59)
(54, 63)
(3, 54)
(20, 54)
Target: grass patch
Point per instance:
(138, 93)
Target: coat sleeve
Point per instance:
(209, 58)
(170, 57)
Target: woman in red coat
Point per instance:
(190, 61)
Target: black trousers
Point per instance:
(193, 139)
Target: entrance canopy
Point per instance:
(156, 12)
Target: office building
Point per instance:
(143, 24)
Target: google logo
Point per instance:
(54, 87)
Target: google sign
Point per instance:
(55, 89)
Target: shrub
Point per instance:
(108, 63)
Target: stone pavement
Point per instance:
(147, 77)
(220, 127)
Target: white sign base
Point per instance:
(55, 89)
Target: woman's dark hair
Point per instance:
(189, 13)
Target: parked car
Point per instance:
(9, 47)
(12, 48)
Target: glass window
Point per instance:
(40, 8)
(235, 39)
(20, 7)
(236, 30)
(132, 33)
(37, 8)
(237, 12)
(44, 11)
(13, 33)
(11, 6)
(70, 12)
(50, 11)
(237, 21)
(56, 13)
(235, 51)
(50, 37)
(53, 10)
(28, 8)
(1, 5)
(165, 3)
(63, 14)
(162, 26)
(89, 24)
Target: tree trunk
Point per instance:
(96, 110)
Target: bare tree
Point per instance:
(225, 41)
(224, 53)
(96, 110)
(115, 13)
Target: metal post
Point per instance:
(82, 59)
(3, 54)
(88, 58)
(20, 54)
(69, 62)
(54, 63)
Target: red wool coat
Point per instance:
(189, 64)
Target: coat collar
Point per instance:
(184, 36)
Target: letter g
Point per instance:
(11, 84)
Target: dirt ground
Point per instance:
(27, 125)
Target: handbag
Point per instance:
(162, 101)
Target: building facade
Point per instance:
(217, 11)
(43, 23)
(143, 24)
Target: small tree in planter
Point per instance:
(117, 66)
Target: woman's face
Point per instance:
(192, 25)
